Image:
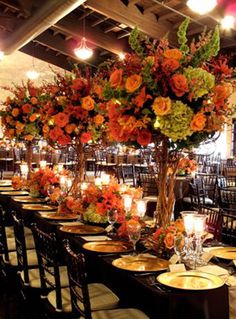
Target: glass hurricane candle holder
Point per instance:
(127, 202)
(188, 218)
(141, 207)
(199, 229)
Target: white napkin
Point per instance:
(208, 249)
(95, 238)
(214, 270)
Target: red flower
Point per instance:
(85, 137)
(61, 119)
(64, 139)
(178, 83)
(144, 137)
(26, 108)
(170, 65)
(55, 133)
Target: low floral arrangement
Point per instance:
(163, 240)
(69, 205)
(18, 183)
(21, 118)
(186, 166)
(97, 201)
(41, 180)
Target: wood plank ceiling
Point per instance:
(50, 29)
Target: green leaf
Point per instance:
(182, 38)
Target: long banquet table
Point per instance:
(136, 290)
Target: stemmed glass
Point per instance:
(112, 216)
(179, 246)
(134, 233)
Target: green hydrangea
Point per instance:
(200, 82)
(91, 216)
(176, 125)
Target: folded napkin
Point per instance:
(208, 249)
(95, 238)
(214, 270)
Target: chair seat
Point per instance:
(34, 277)
(31, 255)
(29, 240)
(207, 200)
(129, 313)
(101, 297)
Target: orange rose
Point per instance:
(64, 139)
(162, 105)
(85, 137)
(170, 65)
(179, 224)
(221, 93)
(70, 128)
(98, 119)
(173, 54)
(144, 137)
(198, 122)
(20, 126)
(29, 137)
(10, 133)
(169, 240)
(26, 108)
(46, 129)
(33, 117)
(133, 82)
(15, 112)
(98, 89)
(87, 103)
(116, 78)
(9, 119)
(34, 100)
(178, 83)
(61, 119)
(55, 133)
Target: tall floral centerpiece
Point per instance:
(72, 116)
(21, 117)
(172, 97)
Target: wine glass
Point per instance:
(134, 233)
(179, 246)
(112, 216)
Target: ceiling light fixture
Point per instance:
(83, 52)
(1, 55)
(227, 22)
(201, 6)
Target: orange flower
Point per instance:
(85, 137)
(198, 122)
(178, 83)
(9, 119)
(61, 119)
(221, 93)
(15, 112)
(173, 54)
(33, 117)
(179, 224)
(170, 65)
(70, 128)
(144, 137)
(98, 89)
(10, 133)
(20, 126)
(29, 137)
(26, 108)
(55, 133)
(162, 105)
(64, 139)
(34, 100)
(46, 129)
(116, 78)
(133, 82)
(169, 240)
(98, 119)
(141, 98)
(87, 103)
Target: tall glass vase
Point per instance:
(79, 171)
(167, 163)
(29, 156)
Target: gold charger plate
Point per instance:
(56, 216)
(190, 280)
(108, 246)
(141, 263)
(5, 182)
(14, 193)
(82, 229)
(6, 188)
(224, 252)
(28, 199)
(38, 207)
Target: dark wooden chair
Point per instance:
(82, 302)
(210, 183)
(213, 221)
(227, 199)
(228, 233)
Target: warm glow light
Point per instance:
(121, 55)
(32, 74)
(83, 52)
(1, 55)
(201, 6)
(227, 22)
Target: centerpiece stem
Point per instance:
(29, 156)
(79, 169)
(165, 184)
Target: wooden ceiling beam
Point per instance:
(70, 25)
(111, 28)
(58, 44)
(123, 35)
(131, 16)
(85, 14)
(49, 57)
(99, 21)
